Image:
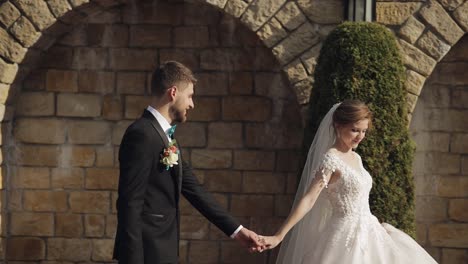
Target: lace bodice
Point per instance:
(349, 194)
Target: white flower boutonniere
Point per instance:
(170, 155)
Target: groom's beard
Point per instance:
(178, 116)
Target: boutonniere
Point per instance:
(170, 155)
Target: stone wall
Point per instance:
(61, 150)
(440, 130)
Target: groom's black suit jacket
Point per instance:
(148, 201)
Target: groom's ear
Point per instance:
(172, 92)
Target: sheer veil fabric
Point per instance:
(304, 235)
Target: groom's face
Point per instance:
(183, 102)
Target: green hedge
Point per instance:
(362, 61)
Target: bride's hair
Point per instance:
(350, 112)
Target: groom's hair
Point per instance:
(168, 74)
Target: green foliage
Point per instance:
(362, 61)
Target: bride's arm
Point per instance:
(303, 207)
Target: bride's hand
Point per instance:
(269, 242)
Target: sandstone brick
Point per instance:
(57, 57)
(451, 5)
(459, 98)
(437, 96)
(454, 256)
(411, 100)
(292, 182)
(283, 204)
(266, 225)
(432, 45)
(212, 84)
(15, 200)
(25, 32)
(232, 253)
(102, 179)
(263, 182)
(102, 249)
(290, 16)
(8, 71)
(297, 42)
(236, 108)
(431, 209)
(41, 131)
(191, 37)
(45, 201)
(62, 81)
(10, 49)
(78, 105)
(96, 82)
(35, 81)
(89, 132)
(187, 57)
(254, 160)
(416, 59)
(271, 32)
(288, 160)
(109, 16)
(240, 83)
(59, 7)
(38, 12)
(107, 35)
(134, 106)
(458, 210)
(272, 85)
(89, 202)
(432, 141)
(30, 177)
(90, 58)
(73, 249)
(35, 155)
(68, 225)
(223, 181)
(460, 15)
(449, 235)
(194, 227)
(111, 225)
(112, 107)
(411, 30)
(64, 178)
(32, 224)
(414, 82)
(452, 187)
(447, 120)
(259, 12)
(131, 83)
(459, 143)
(390, 13)
(4, 90)
(252, 205)
(150, 36)
(436, 16)
(71, 156)
(8, 14)
(323, 11)
(94, 225)
(225, 135)
(204, 251)
(105, 157)
(191, 134)
(273, 136)
(211, 159)
(452, 73)
(296, 71)
(77, 37)
(206, 109)
(197, 14)
(235, 7)
(421, 233)
(25, 248)
(124, 59)
(163, 13)
(237, 59)
(118, 133)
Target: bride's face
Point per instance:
(351, 135)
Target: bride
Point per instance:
(331, 221)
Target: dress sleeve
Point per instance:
(327, 167)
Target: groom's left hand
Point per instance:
(249, 239)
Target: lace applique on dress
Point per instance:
(328, 165)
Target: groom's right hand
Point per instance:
(249, 240)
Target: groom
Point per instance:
(153, 176)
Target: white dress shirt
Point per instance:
(166, 126)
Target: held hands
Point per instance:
(250, 240)
(269, 242)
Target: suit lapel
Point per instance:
(177, 169)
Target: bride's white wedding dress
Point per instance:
(352, 234)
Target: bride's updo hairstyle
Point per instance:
(350, 112)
